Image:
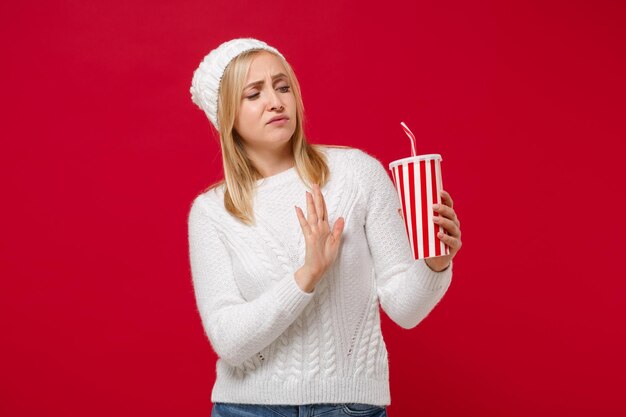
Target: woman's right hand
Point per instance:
(322, 245)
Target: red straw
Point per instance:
(410, 135)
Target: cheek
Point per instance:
(291, 99)
(291, 104)
(249, 113)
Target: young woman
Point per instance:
(292, 252)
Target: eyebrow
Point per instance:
(260, 82)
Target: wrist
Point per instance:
(437, 264)
(305, 280)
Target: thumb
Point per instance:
(338, 228)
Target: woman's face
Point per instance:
(266, 95)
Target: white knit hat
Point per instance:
(208, 76)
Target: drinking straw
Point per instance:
(410, 135)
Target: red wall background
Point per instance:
(103, 151)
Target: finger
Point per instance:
(310, 207)
(302, 220)
(319, 202)
(449, 225)
(446, 211)
(453, 242)
(446, 198)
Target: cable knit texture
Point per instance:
(277, 344)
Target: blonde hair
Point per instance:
(240, 175)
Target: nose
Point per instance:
(274, 101)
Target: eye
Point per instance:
(284, 89)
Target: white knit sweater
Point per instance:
(277, 344)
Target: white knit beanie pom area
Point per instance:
(207, 77)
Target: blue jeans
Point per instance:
(308, 410)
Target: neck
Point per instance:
(270, 162)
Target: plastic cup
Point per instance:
(418, 182)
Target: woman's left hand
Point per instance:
(450, 222)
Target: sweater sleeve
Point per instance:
(407, 288)
(236, 328)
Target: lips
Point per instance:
(277, 118)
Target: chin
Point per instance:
(282, 139)
(283, 136)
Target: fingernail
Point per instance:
(435, 206)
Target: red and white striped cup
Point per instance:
(418, 182)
